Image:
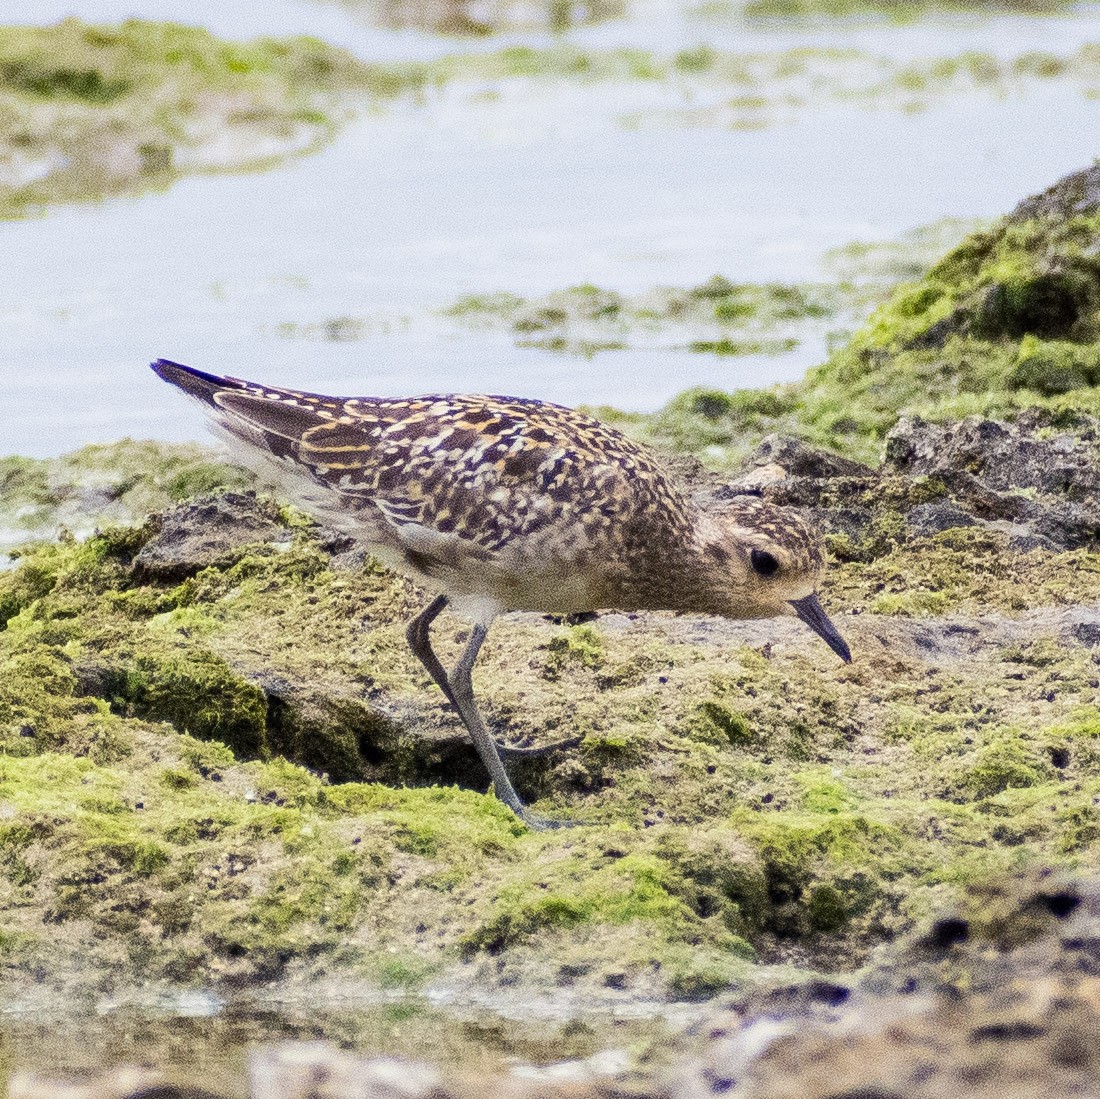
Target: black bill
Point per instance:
(809, 610)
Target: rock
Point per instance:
(1042, 490)
(1023, 540)
(1003, 455)
(198, 535)
(799, 459)
(321, 1070)
(927, 519)
(756, 479)
(1087, 633)
(1072, 196)
(961, 1008)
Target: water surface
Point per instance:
(528, 188)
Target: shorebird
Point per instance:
(505, 503)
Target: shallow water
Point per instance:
(649, 24)
(411, 209)
(194, 1037)
(538, 188)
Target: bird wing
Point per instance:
(351, 449)
(448, 476)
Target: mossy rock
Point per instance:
(1007, 320)
(123, 108)
(198, 693)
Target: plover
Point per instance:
(504, 503)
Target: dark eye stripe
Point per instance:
(764, 563)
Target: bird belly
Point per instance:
(546, 591)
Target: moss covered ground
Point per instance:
(101, 485)
(88, 111)
(230, 769)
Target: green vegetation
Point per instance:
(718, 316)
(761, 79)
(258, 726)
(96, 485)
(716, 300)
(88, 111)
(461, 20)
(586, 319)
(877, 266)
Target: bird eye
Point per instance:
(764, 563)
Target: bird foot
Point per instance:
(572, 619)
(509, 751)
(538, 823)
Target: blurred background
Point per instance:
(602, 202)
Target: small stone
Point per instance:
(795, 458)
(198, 535)
(1026, 542)
(928, 519)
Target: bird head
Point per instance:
(769, 561)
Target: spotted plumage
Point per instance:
(505, 503)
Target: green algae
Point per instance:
(198, 693)
(717, 317)
(740, 803)
(880, 265)
(716, 300)
(95, 110)
(461, 21)
(1008, 320)
(104, 484)
(581, 646)
(790, 77)
(966, 570)
(715, 722)
(92, 111)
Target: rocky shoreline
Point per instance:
(222, 769)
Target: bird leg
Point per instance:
(541, 751)
(462, 694)
(418, 635)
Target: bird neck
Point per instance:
(690, 573)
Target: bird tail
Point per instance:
(274, 420)
(195, 383)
